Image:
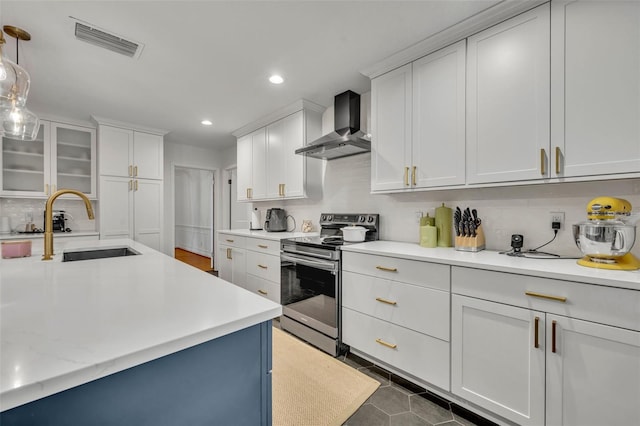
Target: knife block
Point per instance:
(476, 243)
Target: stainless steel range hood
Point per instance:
(347, 139)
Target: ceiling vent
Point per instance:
(98, 37)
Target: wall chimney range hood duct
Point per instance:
(347, 139)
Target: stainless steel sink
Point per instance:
(71, 256)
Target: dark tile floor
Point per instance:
(398, 402)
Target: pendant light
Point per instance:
(17, 121)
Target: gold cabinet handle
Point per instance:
(406, 176)
(388, 302)
(130, 170)
(553, 337)
(536, 343)
(135, 171)
(543, 158)
(384, 268)
(229, 241)
(262, 292)
(262, 266)
(546, 296)
(130, 185)
(263, 246)
(135, 185)
(558, 155)
(228, 253)
(387, 344)
(413, 176)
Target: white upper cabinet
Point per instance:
(595, 84)
(438, 148)
(130, 153)
(391, 103)
(418, 123)
(508, 102)
(63, 156)
(252, 176)
(268, 167)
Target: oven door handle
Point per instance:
(326, 266)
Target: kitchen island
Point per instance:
(139, 339)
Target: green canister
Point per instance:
(444, 223)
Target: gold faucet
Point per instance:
(48, 219)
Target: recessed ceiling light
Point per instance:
(276, 79)
(206, 122)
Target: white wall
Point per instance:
(193, 210)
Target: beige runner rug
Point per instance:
(311, 388)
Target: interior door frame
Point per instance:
(216, 179)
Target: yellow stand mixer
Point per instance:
(608, 235)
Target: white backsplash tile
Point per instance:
(504, 210)
(16, 209)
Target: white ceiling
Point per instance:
(211, 59)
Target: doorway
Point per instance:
(238, 214)
(194, 195)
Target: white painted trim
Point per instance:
(128, 126)
(277, 115)
(463, 29)
(63, 120)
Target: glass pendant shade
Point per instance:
(19, 123)
(15, 85)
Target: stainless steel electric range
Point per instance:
(311, 286)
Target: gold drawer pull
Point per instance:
(388, 302)
(558, 155)
(546, 296)
(406, 176)
(543, 158)
(262, 266)
(135, 171)
(229, 241)
(263, 246)
(135, 185)
(130, 170)
(228, 253)
(387, 344)
(384, 268)
(413, 176)
(262, 292)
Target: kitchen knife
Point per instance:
(474, 212)
(468, 213)
(466, 229)
(472, 228)
(461, 228)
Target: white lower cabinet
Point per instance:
(263, 268)
(131, 208)
(494, 359)
(397, 311)
(593, 373)
(251, 263)
(541, 351)
(231, 260)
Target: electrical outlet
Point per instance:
(418, 216)
(556, 217)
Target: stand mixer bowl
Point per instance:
(604, 239)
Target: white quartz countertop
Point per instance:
(267, 235)
(562, 269)
(65, 324)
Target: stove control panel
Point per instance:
(344, 219)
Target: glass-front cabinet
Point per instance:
(62, 156)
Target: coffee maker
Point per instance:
(59, 221)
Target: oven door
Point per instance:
(309, 289)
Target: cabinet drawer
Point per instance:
(263, 246)
(263, 287)
(410, 271)
(424, 357)
(606, 305)
(262, 265)
(231, 240)
(421, 309)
